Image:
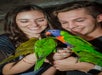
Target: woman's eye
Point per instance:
(63, 22)
(40, 20)
(23, 21)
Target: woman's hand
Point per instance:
(24, 64)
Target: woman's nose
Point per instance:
(71, 25)
(34, 23)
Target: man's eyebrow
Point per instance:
(80, 18)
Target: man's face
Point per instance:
(77, 21)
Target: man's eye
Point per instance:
(80, 20)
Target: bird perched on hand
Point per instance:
(83, 49)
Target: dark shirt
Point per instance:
(6, 49)
(97, 43)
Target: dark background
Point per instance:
(5, 5)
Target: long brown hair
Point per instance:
(11, 28)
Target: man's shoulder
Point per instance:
(97, 43)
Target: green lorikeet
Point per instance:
(43, 48)
(85, 51)
(24, 49)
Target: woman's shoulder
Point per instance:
(3, 36)
(5, 41)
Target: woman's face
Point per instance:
(32, 23)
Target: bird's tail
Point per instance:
(39, 63)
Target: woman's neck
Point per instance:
(34, 36)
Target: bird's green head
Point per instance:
(65, 33)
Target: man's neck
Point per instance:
(95, 34)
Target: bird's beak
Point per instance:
(47, 33)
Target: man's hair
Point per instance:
(93, 8)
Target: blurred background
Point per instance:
(6, 5)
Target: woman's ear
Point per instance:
(99, 18)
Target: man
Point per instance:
(84, 19)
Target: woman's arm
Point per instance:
(100, 73)
(21, 66)
(51, 71)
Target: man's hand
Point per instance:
(65, 64)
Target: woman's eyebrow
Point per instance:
(40, 18)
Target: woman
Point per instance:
(21, 24)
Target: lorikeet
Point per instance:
(85, 51)
(24, 49)
(43, 48)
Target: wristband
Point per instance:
(96, 70)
